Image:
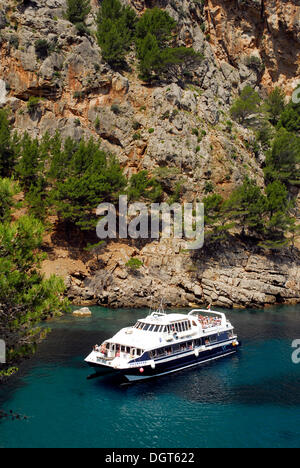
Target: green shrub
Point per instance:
(77, 10)
(33, 103)
(42, 48)
(134, 264)
(245, 105)
(115, 108)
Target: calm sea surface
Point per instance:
(249, 400)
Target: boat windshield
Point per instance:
(152, 327)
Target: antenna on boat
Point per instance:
(161, 307)
(151, 302)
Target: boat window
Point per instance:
(146, 327)
(161, 351)
(176, 348)
(169, 350)
(127, 349)
(123, 349)
(213, 338)
(151, 328)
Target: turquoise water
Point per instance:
(249, 400)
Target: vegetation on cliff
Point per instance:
(153, 35)
(26, 298)
(267, 215)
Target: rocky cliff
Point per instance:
(81, 96)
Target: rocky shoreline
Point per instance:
(235, 276)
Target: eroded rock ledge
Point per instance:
(234, 276)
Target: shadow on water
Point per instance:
(208, 384)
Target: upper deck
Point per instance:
(161, 328)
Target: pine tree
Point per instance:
(278, 210)
(290, 118)
(274, 105)
(282, 162)
(26, 298)
(216, 226)
(115, 31)
(156, 58)
(245, 105)
(141, 186)
(158, 23)
(77, 11)
(92, 177)
(149, 55)
(246, 206)
(8, 189)
(30, 162)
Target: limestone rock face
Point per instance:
(266, 29)
(232, 277)
(177, 131)
(2, 92)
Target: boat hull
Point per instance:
(181, 363)
(142, 371)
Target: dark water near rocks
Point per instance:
(249, 400)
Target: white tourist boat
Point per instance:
(164, 343)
